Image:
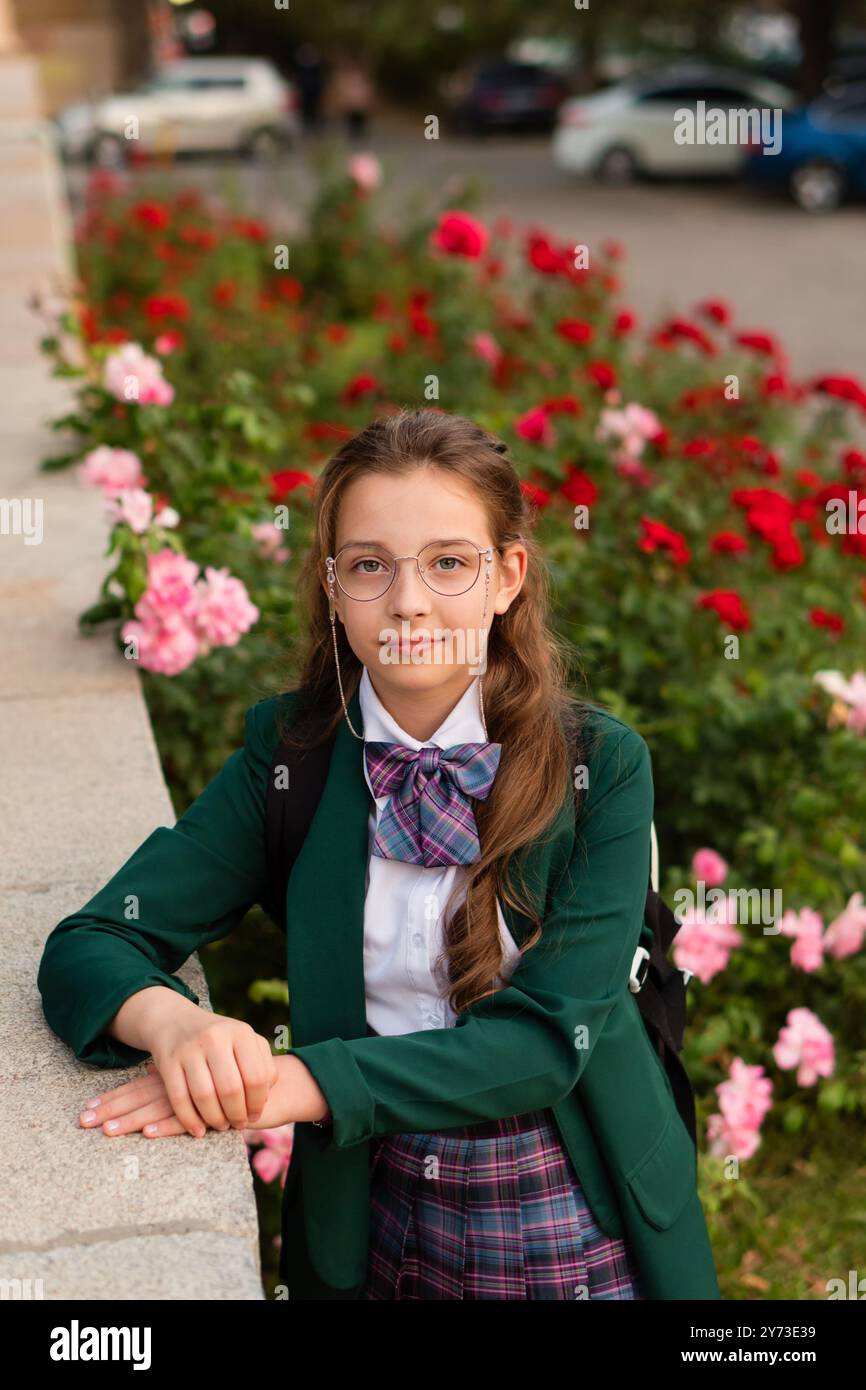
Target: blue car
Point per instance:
(822, 159)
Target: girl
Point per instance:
(479, 1111)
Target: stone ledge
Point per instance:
(93, 1217)
(187, 1264)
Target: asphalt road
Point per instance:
(799, 276)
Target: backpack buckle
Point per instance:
(639, 969)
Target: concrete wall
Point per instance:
(88, 1216)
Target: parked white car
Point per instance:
(627, 129)
(190, 105)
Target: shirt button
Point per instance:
(418, 939)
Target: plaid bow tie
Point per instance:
(428, 819)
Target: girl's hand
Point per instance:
(209, 1071)
(144, 1104)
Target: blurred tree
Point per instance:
(410, 48)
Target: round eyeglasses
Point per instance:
(366, 572)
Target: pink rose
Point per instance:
(485, 346)
(850, 695)
(704, 941)
(709, 867)
(268, 538)
(844, 936)
(225, 610)
(805, 1043)
(744, 1100)
(132, 505)
(366, 170)
(130, 375)
(171, 581)
(632, 427)
(806, 927)
(167, 645)
(111, 469)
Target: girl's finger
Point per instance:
(121, 1102)
(126, 1088)
(177, 1088)
(254, 1076)
(208, 1078)
(135, 1120)
(163, 1129)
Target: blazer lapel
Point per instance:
(325, 902)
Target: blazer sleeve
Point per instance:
(525, 1046)
(184, 886)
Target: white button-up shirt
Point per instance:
(404, 903)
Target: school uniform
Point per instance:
(529, 1148)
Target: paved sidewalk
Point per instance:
(90, 1218)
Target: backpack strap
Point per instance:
(295, 785)
(660, 992)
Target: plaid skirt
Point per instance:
(492, 1210)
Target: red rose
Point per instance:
(683, 328)
(715, 309)
(659, 536)
(166, 306)
(543, 256)
(535, 426)
(458, 234)
(821, 618)
(251, 228)
(225, 293)
(843, 388)
(727, 543)
(287, 480)
(537, 495)
(558, 405)
(760, 342)
(288, 288)
(729, 606)
(363, 385)
(575, 330)
(155, 215)
(579, 487)
(603, 374)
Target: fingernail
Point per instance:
(92, 1104)
(150, 1129)
(112, 1124)
(87, 1117)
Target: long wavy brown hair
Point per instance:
(527, 702)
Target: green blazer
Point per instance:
(565, 1033)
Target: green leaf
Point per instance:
(107, 610)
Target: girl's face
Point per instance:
(403, 515)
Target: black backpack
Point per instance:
(660, 985)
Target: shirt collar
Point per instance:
(462, 725)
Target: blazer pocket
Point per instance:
(666, 1177)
